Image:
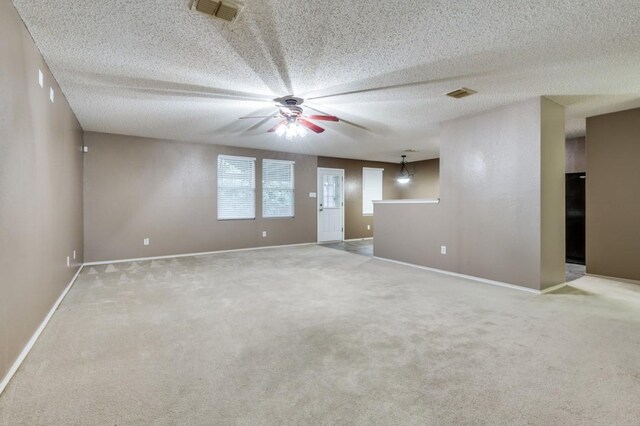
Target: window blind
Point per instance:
(236, 187)
(371, 188)
(277, 188)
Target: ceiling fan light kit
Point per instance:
(293, 123)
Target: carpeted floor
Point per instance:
(312, 335)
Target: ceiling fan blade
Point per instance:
(274, 128)
(351, 123)
(258, 116)
(323, 117)
(310, 125)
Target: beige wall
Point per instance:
(492, 215)
(552, 194)
(355, 222)
(613, 195)
(40, 189)
(425, 183)
(138, 188)
(576, 155)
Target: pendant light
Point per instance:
(404, 176)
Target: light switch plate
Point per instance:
(313, 195)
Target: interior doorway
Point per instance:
(330, 204)
(575, 217)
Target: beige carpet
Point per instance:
(311, 335)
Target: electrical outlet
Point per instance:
(68, 262)
(264, 234)
(368, 227)
(145, 241)
(74, 255)
(443, 249)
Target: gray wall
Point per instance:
(576, 155)
(613, 195)
(426, 180)
(495, 179)
(552, 194)
(137, 188)
(40, 189)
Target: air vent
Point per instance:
(463, 92)
(210, 7)
(226, 10)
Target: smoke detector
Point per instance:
(222, 9)
(462, 92)
(411, 150)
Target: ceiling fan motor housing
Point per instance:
(290, 101)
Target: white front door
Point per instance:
(330, 205)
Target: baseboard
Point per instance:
(553, 288)
(624, 280)
(359, 239)
(468, 277)
(34, 338)
(202, 253)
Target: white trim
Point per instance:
(319, 200)
(34, 337)
(469, 277)
(201, 253)
(416, 201)
(236, 157)
(373, 168)
(359, 239)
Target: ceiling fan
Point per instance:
(292, 120)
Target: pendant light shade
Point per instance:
(404, 176)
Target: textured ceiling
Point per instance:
(155, 68)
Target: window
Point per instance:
(371, 188)
(277, 188)
(236, 187)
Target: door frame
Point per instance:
(319, 199)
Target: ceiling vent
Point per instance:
(463, 92)
(226, 10)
